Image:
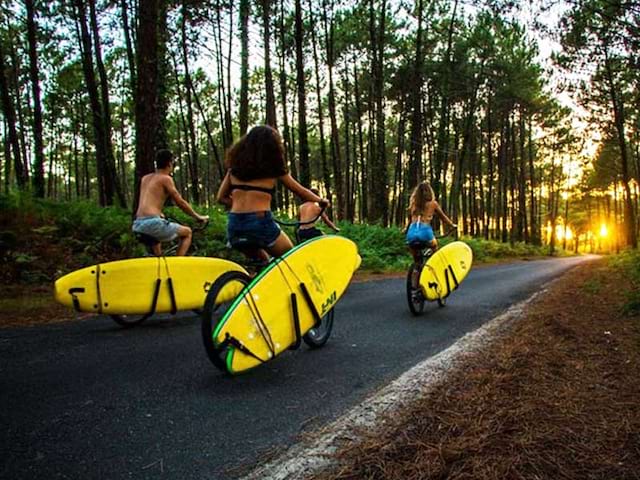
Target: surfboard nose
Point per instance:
(358, 262)
(59, 291)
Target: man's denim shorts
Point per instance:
(420, 232)
(252, 230)
(157, 227)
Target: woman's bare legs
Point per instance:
(283, 245)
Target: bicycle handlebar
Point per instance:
(323, 207)
(198, 227)
(448, 232)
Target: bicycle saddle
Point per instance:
(146, 240)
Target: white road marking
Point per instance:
(314, 454)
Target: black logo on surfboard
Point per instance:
(316, 278)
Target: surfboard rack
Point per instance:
(312, 307)
(74, 297)
(234, 342)
(296, 322)
(448, 271)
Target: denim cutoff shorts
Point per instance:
(420, 232)
(252, 229)
(157, 227)
(305, 234)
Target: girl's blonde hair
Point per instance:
(422, 194)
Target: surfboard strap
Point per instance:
(154, 300)
(449, 270)
(234, 342)
(172, 294)
(312, 307)
(296, 322)
(453, 276)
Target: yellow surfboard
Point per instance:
(445, 270)
(261, 320)
(130, 287)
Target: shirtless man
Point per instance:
(309, 211)
(155, 188)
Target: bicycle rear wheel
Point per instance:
(318, 336)
(213, 313)
(129, 321)
(415, 298)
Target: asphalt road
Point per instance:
(90, 400)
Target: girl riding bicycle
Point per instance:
(255, 163)
(422, 208)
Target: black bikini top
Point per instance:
(246, 188)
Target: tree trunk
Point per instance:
(34, 72)
(415, 159)
(193, 152)
(150, 92)
(335, 132)
(270, 105)
(126, 29)
(244, 66)
(304, 173)
(9, 113)
(112, 185)
(378, 210)
(326, 174)
(619, 117)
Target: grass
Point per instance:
(41, 240)
(628, 262)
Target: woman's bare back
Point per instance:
(427, 214)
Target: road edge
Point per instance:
(314, 454)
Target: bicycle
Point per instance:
(149, 243)
(212, 314)
(415, 295)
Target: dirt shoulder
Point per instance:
(556, 398)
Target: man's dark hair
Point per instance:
(163, 158)
(259, 154)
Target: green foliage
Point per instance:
(489, 250)
(46, 239)
(381, 249)
(628, 262)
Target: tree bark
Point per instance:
(304, 173)
(111, 181)
(34, 73)
(270, 104)
(9, 112)
(150, 92)
(335, 132)
(193, 151)
(244, 66)
(326, 174)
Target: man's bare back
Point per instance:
(153, 194)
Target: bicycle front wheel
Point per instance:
(319, 335)
(415, 298)
(213, 313)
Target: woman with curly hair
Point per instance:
(255, 164)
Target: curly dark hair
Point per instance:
(259, 154)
